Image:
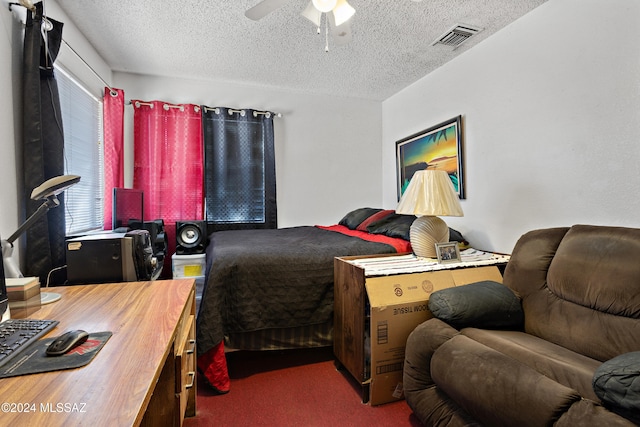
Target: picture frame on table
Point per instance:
(448, 252)
(439, 147)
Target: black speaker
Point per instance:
(158, 236)
(145, 263)
(191, 237)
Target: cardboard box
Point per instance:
(188, 265)
(399, 303)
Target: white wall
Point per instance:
(328, 150)
(551, 109)
(10, 57)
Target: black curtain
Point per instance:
(43, 142)
(240, 173)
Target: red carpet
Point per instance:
(292, 388)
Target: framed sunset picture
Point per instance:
(439, 147)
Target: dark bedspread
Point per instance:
(259, 279)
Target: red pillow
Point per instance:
(375, 217)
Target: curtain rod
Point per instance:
(242, 112)
(27, 4)
(24, 3)
(112, 91)
(166, 106)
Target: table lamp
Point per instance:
(47, 192)
(430, 194)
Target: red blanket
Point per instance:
(400, 245)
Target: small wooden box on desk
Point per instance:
(374, 314)
(24, 296)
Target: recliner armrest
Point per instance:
(422, 342)
(420, 391)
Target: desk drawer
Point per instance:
(186, 362)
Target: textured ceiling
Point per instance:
(212, 39)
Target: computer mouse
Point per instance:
(66, 342)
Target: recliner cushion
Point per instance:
(496, 389)
(486, 304)
(562, 365)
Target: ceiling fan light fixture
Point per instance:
(324, 6)
(342, 12)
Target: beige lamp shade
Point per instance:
(430, 194)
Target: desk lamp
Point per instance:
(430, 194)
(47, 191)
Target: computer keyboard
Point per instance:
(17, 334)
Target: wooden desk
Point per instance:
(139, 377)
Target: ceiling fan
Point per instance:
(337, 20)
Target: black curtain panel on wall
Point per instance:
(240, 181)
(43, 141)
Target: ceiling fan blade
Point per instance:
(312, 14)
(341, 34)
(264, 8)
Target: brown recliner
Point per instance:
(580, 297)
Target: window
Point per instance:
(240, 186)
(83, 154)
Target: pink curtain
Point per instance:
(168, 164)
(113, 111)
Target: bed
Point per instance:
(273, 289)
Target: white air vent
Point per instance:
(457, 35)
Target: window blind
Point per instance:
(83, 154)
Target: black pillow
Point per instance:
(353, 219)
(394, 225)
(486, 304)
(456, 236)
(617, 383)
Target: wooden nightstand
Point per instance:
(381, 375)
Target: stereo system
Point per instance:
(111, 257)
(191, 237)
